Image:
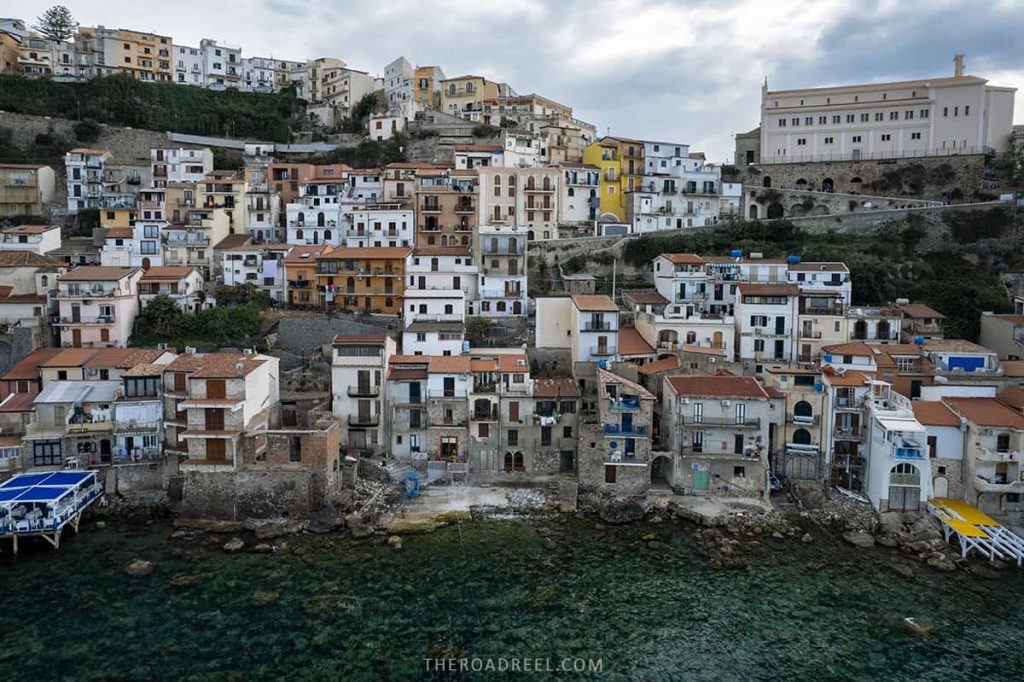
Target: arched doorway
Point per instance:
(803, 412)
(753, 211)
(883, 331)
(530, 236)
(661, 472)
(718, 340)
(860, 330)
(774, 211)
(827, 185)
(855, 184)
(940, 487)
(767, 182)
(801, 183)
(517, 308)
(904, 487)
(802, 437)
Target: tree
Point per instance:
(86, 131)
(56, 23)
(160, 321)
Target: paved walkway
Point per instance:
(711, 511)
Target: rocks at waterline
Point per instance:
(860, 539)
(234, 545)
(140, 568)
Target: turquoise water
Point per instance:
(356, 610)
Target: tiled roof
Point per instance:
(934, 413)
(848, 378)
(754, 289)
(818, 267)
(645, 297)
(124, 358)
(483, 364)
(631, 343)
(70, 357)
(858, 348)
(232, 241)
(306, 254)
(399, 373)
(1012, 319)
(120, 233)
(513, 362)
(227, 365)
(18, 402)
(592, 302)
(409, 359)
(987, 412)
(1013, 368)
(167, 272)
(718, 386)
(30, 229)
(702, 350)
(663, 365)
(375, 338)
(145, 370)
(363, 253)
(560, 387)
(102, 273)
(610, 377)
(479, 148)
(684, 258)
(449, 364)
(25, 259)
(920, 310)
(28, 367)
(442, 250)
(954, 345)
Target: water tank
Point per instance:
(827, 358)
(819, 387)
(756, 255)
(919, 340)
(736, 253)
(792, 260)
(602, 363)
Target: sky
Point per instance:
(688, 72)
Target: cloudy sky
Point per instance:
(687, 71)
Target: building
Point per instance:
(621, 161)
(211, 400)
(406, 400)
(180, 165)
(464, 96)
(398, 90)
(192, 243)
(500, 251)
(449, 382)
(72, 426)
(718, 429)
(800, 434)
(300, 268)
(929, 117)
(446, 208)
(259, 265)
(362, 279)
(921, 320)
(359, 367)
(40, 239)
(580, 188)
(138, 415)
(97, 306)
(899, 473)
(766, 315)
(525, 198)
(26, 189)
(993, 438)
(427, 86)
(88, 182)
(946, 442)
(189, 66)
(443, 268)
(321, 213)
(136, 246)
(381, 225)
(614, 450)
(222, 64)
(182, 284)
(1004, 334)
(844, 425)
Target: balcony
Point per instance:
(71, 322)
(803, 420)
(453, 422)
(299, 283)
(997, 483)
(485, 388)
(625, 432)
(430, 208)
(624, 459)
(363, 391)
(445, 395)
(847, 433)
(722, 422)
(597, 326)
(624, 404)
(364, 420)
(989, 455)
(465, 208)
(602, 350)
(488, 415)
(810, 334)
(500, 293)
(849, 402)
(191, 240)
(908, 451)
(86, 293)
(771, 332)
(502, 249)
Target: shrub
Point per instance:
(87, 131)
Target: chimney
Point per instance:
(958, 65)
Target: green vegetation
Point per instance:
(1010, 167)
(87, 131)
(227, 159)
(484, 130)
(56, 23)
(368, 153)
(122, 100)
(959, 280)
(356, 122)
(235, 322)
(45, 148)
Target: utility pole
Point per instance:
(615, 262)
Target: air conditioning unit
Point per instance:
(726, 403)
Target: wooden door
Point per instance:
(216, 389)
(179, 382)
(216, 448)
(214, 419)
(76, 338)
(513, 411)
(609, 473)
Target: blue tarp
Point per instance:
(26, 480)
(42, 494)
(45, 487)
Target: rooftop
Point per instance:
(718, 386)
(449, 364)
(934, 413)
(30, 229)
(753, 289)
(684, 258)
(375, 339)
(60, 392)
(167, 272)
(94, 273)
(594, 302)
(28, 367)
(920, 311)
(954, 345)
(663, 365)
(632, 343)
(990, 412)
(561, 387)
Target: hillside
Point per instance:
(123, 101)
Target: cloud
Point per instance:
(677, 71)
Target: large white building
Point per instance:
(928, 117)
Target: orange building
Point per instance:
(300, 274)
(370, 279)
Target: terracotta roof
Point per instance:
(479, 148)
(249, 248)
(934, 413)
(362, 253)
(22, 298)
(167, 272)
(663, 365)
(632, 386)
(145, 370)
(754, 289)
(123, 358)
(684, 258)
(645, 297)
(858, 348)
(1014, 397)
(232, 241)
(19, 402)
(409, 359)
(1012, 319)
(442, 250)
(846, 379)
(25, 259)
(1013, 368)
(102, 273)
(817, 267)
(513, 363)
(227, 365)
(30, 229)
(954, 345)
(87, 150)
(375, 338)
(718, 386)
(399, 373)
(920, 310)
(9, 441)
(987, 412)
(28, 367)
(592, 302)
(70, 357)
(120, 233)
(631, 343)
(483, 364)
(449, 364)
(560, 387)
(301, 255)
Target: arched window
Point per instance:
(767, 182)
(860, 330)
(718, 340)
(802, 437)
(904, 487)
(882, 330)
(511, 181)
(691, 337)
(321, 220)
(327, 235)
(547, 182)
(571, 192)
(298, 234)
(44, 280)
(803, 411)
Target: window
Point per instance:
(829, 140)
(566, 432)
(856, 138)
(513, 437)
(886, 137)
(801, 141)
(879, 116)
(822, 120)
(924, 113)
(809, 120)
(908, 114)
(956, 111)
(739, 472)
(46, 453)
(782, 123)
(837, 118)
(915, 136)
(545, 436)
(849, 118)
(894, 115)
(698, 413)
(795, 121)
(864, 117)
(967, 110)
(945, 111)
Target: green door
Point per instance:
(700, 479)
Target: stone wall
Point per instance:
(304, 334)
(869, 220)
(240, 495)
(790, 203)
(17, 343)
(591, 452)
(148, 476)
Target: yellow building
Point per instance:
(370, 279)
(10, 50)
(464, 96)
(145, 56)
(224, 190)
(621, 161)
(426, 86)
(117, 217)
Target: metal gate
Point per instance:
(801, 464)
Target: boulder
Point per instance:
(919, 628)
(183, 580)
(262, 548)
(906, 570)
(859, 539)
(807, 538)
(395, 541)
(621, 510)
(234, 545)
(325, 521)
(259, 598)
(887, 540)
(891, 521)
(941, 562)
(140, 568)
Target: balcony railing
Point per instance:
(907, 452)
(363, 391)
(803, 420)
(102, 320)
(597, 326)
(364, 420)
(628, 431)
(624, 404)
(847, 433)
(86, 293)
(602, 350)
(502, 249)
(990, 455)
(446, 395)
(725, 422)
(849, 403)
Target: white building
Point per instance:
(899, 475)
(766, 316)
(386, 126)
(581, 193)
(398, 76)
(41, 239)
(97, 306)
(189, 66)
(448, 268)
(320, 216)
(179, 165)
(261, 265)
(258, 74)
(502, 287)
(359, 365)
(222, 64)
(380, 225)
(927, 117)
(182, 284)
(88, 186)
(587, 325)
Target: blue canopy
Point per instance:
(43, 487)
